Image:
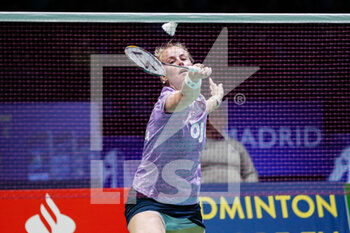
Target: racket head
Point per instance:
(145, 60)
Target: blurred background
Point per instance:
(294, 122)
(292, 133)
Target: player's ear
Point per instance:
(163, 79)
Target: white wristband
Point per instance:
(218, 100)
(193, 68)
(191, 84)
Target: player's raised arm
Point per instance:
(217, 93)
(190, 90)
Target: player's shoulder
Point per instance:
(160, 104)
(165, 92)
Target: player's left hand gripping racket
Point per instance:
(149, 63)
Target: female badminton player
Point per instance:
(164, 194)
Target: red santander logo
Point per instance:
(50, 220)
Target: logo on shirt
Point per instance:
(50, 220)
(198, 131)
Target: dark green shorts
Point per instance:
(137, 202)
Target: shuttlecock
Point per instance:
(170, 28)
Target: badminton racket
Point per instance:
(149, 63)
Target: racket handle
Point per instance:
(193, 68)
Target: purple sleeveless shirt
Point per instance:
(170, 170)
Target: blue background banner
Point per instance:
(284, 138)
(292, 213)
(45, 141)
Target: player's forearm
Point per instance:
(213, 103)
(183, 98)
(217, 93)
(190, 93)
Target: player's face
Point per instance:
(176, 56)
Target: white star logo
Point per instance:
(230, 77)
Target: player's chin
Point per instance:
(180, 82)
